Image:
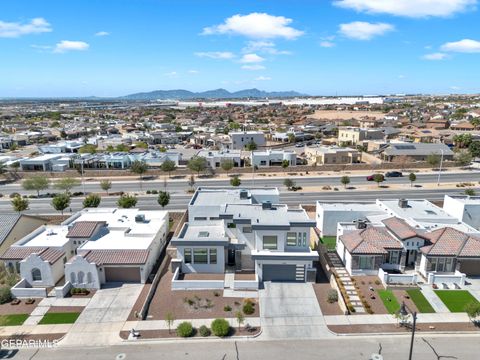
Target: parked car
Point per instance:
(299, 145)
(372, 177)
(394, 174)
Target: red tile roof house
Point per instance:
(91, 248)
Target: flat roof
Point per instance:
(279, 215)
(221, 196)
(51, 236)
(465, 199)
(348, 206)
(204, 231)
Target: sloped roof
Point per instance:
(116, 257)
(400, 228)
(451, 242)
(22, 252)
(7, 222)
(84, 229)
(372, 240)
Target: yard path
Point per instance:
(433, 299)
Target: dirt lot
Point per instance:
(191, 304)
(321, 288)
(22, 308)
(364, 283)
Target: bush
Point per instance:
(227, 308)
(154, 192)
(185, 329)
(5, 295)
(332, 296)
(248, 308)
(220, 327)
(149, 192)
(204, 331)
(14, 195)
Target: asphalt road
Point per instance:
(461, 347)
(179, 201)
(91, 185)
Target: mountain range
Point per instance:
(210, 94)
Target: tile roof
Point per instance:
(84, 229)
(7, 222)
(400, 228)
(372, 240)
(22, 252)
(116, 257)
(451, 242)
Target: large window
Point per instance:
(291, 239)
(394, 257)
(269, 242)
(187, 256)
(213, 256)
(36, 275)
(365, 262)
(200, 256)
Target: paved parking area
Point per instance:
(290, 310)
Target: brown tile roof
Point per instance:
(52, 255)
(372, 240)
(116, 257)
(83, 229)
(22, 252)
(451, 242)
(400, 228)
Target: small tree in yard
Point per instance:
(169, 320)
(227, 165)
(285, 164)
(289, 183)
(378, 178)
(251, 146)
(60, 202)
(140, 168)
(66, 184)
(412, 177)
(473, 311)
(470, 192)
(235, 181)
(168, 166)
(127, 201)
(163, 198)
(92, 201)
(240, 318)
(37, 183)
(463, 157)
(106, 185)
(197, 164)
(345, 180)
(19, 204)
(433, 160)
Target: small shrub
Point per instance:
(149, 192)
(220, 327)
(248, 308)
(216, 294)
(377, 282)
(332, 296)
(204, 331)
(227, 308)
(5, 295)
(14, 195)
(154, 192)
(185, 329)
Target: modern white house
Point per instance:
(240, 139)
(265, 158)
(464, 208)
(242, 230)
(71, 146)
(216, 157)
(91, 248)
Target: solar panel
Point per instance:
(405, 147)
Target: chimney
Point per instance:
(403, 203)
(361, 224)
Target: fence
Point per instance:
(391, 279)
(195, 284)
(437, 279)
(62, 291)
(23, 289)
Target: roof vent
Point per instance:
(361, 224)
(243, 194)
(266, 205)
(403, 203)
(140, 218)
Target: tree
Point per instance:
(235, 181)
(433, 159)
(88, 149)
(122, 148)
(168, 166)
(191, 182)
(345, 180)
(15, 166)
(66, 184)
(474, 148)
(462, 140)
(251, 146)
(289, 183)
(285, 164)
(470, 192)
(3, 168)
(463, 157)
(473, 310)
(127, 201)
(37, 183)
(169, 320)
(412, 177)
(141, 145)
(163, 198)
(92, 200)
(227, 165)
(240, 318)
(106, 185)
(197, 163)
(19, 204)
(378, 178)
(60, 202)
(139, 167)
(291, 138)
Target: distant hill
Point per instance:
(210, 94)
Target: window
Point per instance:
(365, 262)
(394, 257)
(36, 275)
(247, 230)
(291, 239)
(200, 218)
(187, 256)
(270, 242)
(213, 256)
(200, 256)
(304, 239)
(81, 277)
(73, 278)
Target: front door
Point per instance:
(231, 257)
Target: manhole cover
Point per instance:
(121, 357)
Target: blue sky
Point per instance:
(319, 47)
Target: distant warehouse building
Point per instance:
(416, 151)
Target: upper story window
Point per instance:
(270, 242)
(213, 256)
(200, 256)
(187, 256)
(247, 229)
(291, 239)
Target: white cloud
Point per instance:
(15, 29)
(253, 67)
(361, 30)
(327, 44)
(435, 56)
(102, 33)
(409, 8)
(455, 87)
(263, 46)
(462, 46)
(171, 74)
(193, 71)
(251, 58)
(256, 25)
(216, 55)
(262, 78)
(68, 45)
(401, 76)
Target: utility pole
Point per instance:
(83, 182)
(440, 170)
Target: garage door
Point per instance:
(470, 267)
(122, 274)
(283, 272)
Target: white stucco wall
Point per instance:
(50, 274)
(217, 268)
(77, 265)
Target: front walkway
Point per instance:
(291, 311)
(433, 299)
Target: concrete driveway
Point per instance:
(291, 311)
(104, 316)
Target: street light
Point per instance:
(440, 170)
(404, 312)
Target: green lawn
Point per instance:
(420, 301)
(13, 320)
(329, 241)
(59, 318)
(455, 300)
(389, 300)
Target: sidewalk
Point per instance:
(390, 319)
